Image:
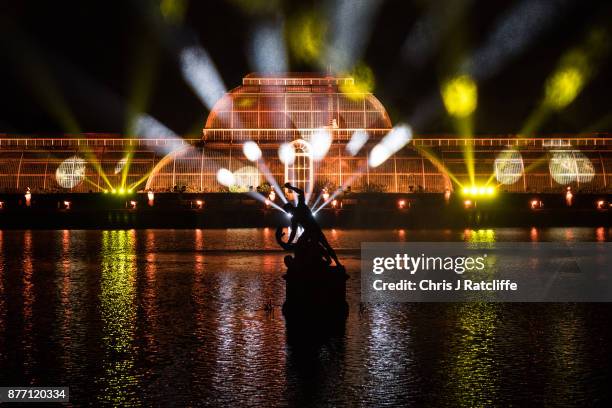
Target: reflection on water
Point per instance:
(474, 374)
(3, 296)
(177, 317)
(28, 304)
(118, 385)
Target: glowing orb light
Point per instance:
(563, 87)
(226, 177)
(569, 166)
(358, 140)
(508, 167)
(395, 140)
(286, 153)
(321, 142)
(378, 155)
(247, 177)
(71, 172)
(251, 151)
(460, 96)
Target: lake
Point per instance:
(160, 317)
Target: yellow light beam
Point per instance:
(363, 82)
(437, 163)
(46, 89)
(93, 183)
(142, 76)
(574, 70)
(460, 98)
(306, 36)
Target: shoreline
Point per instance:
(368, 211)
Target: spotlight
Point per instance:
(150, 128)
(70, 172)
(321, 142)
(226, 177)
(569, 197)
(251, 151)
(401, 204)
(67, 205)
(28, 197)
(1, 205)
(200, 72)
(352, 23)
(286, 153)
(151, 197)
(267, 202)
(468, 204)
(334, 203)
(122, 190)
(509, 166)
(563, 87)
(199, 204)
(358, 140)
(268, 52)
(272, 196)
(378, 155)
(460, 96)
(396, 139)
(536, 204)
(481, 191)
(600, 205)
(132, 205)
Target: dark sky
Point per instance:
(75, 64)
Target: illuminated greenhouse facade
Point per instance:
(290, 112)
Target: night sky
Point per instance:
(94, 57)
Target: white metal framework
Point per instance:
(34, 162)
(300, 173)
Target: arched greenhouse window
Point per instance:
(300, 173)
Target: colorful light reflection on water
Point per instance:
(173, 317)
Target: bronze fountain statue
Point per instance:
(314, 285)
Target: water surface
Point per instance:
(161, 317)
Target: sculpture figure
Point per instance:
(312, 239)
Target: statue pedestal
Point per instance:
(315, 293)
